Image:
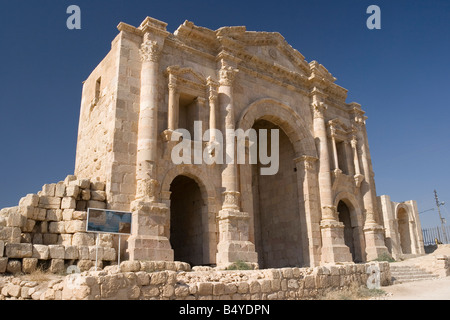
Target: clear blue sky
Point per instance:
(399, 74)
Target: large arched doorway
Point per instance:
(186, 214)
(278, 237)
(349, 230)
(403, 230)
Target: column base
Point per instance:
(149, 240)
(334, 249)
(234, 245)
(375, 245)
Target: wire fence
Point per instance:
(436, 235)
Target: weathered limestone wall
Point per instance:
(145, 281)
(48, 229)
(403, 231)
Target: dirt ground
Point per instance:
(436, 289)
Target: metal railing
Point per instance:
(435, 235)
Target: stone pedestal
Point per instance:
(333, 247)
(150, 230)
(375, 245)
(234, 234)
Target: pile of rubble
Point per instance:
(48, 230)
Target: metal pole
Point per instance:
(118, 253)
(96, 251)
(445, 240)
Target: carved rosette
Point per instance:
(227, 75)
(149, 51)
(147, 189)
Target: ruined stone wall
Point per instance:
(48, 230)
(174, 280)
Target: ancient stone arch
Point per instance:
(404, 228)
(353, 223)
(283, 116)
(208, 211)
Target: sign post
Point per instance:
(109, 222)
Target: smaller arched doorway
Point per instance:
(347, 216)
(187, 208)
(403, 230)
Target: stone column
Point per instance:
(234, 241)
(174, 101)
(213, 97)
(308, 196)
(335, 154)
(374, 232)
(150, 219)
(333, 246)
(358, 176)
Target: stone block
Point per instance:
(67, 214)
(97, 252)
(30, 200)
(57, 227)
(2, 248)
(14, 218)
(3, 264)
(72, 191)
(71, 252)
(109, 254)
(37, 238)
(54, 215)
(64, 239)
(69, 179)
(10, 234)
(86, 194)
(97, 185)
(96, 204)
(129, 266)
(40, 252)
(81, 205)
(79, 215)
(19, 250)
(40, 214)
(98, 195)
(28, 211)
(60, 190)
(83, 252)
(57, 266)
(85, 265)
(29, 265)
(83, 239)
(75, 226)
(56, 251)
(29, 225)
(47, 202)
(14, 266)
(49, 238)
(82, 183)
(43, 228)
(48, 190)
(68, 203)
(105, 240)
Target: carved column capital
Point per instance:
(307, 162)
(227, 75)
(150, 50)
(318, 109)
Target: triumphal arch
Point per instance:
(319, 207)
